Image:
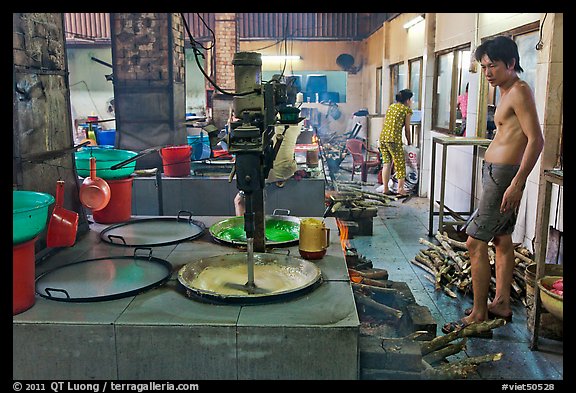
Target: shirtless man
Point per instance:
(508, 161)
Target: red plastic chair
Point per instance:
(362, 157)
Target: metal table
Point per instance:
(542, 220)
(447, 141)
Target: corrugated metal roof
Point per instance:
(86, 27)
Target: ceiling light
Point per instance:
(413, 22)
(279, 58)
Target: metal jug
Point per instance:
(314, 238)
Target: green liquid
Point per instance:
(275, 231)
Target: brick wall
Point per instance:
(149, 82)
(41, 120)
(226, 32)
(142, 47)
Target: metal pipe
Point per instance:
(250, 259)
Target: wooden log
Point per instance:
(373, 289)
(371, 203)
(434, 257)
(370, 195)
(492, 256)
(441, 341)
(493, 357)
(371, 303)
(464, 284)
(433, 246)
(368, 281)
(423, 259)
(356, 182)
(415, 335)
(516, 288)
(442, 353)
(453, 242)
(460, 369)
(423, 267)
(433, 281)
(450, 251)
(376, 274)
(449, 292)
(523, 258)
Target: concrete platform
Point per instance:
(162, 334)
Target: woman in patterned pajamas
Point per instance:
(397, 117)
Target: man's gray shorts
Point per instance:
(489, 222)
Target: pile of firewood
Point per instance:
(436, 351)
(448, 266)
(378, 313)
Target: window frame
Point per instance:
(487, 92)
(394, 77)
(454, 88)
(410, 62)
(379, 90)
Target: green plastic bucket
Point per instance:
(105, 159)
(30, 214)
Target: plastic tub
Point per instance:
(30, 214)
(551, 301)
(105, 159)
(119, 208)
(200, 145)
(176, 160)
(106, 137)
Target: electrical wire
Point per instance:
(89, 95)
(198, 53)
(540, 43)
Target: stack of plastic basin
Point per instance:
(119, 208)
(30, 216)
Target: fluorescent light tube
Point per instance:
(413, 22)
(279, 58)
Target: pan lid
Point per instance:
(157, 231)
(107, 278)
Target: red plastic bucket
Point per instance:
(119, 208)
(23, 274)
(176, 160)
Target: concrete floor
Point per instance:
(395, 241)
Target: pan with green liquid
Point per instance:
(279, 230)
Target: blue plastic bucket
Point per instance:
(106, 137)
(200, 146)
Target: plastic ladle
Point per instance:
(94, 191)
(63, 224)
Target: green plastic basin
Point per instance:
(105, 159)
(30, 214)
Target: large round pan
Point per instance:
(106, 278)
(277, 277)
(156, 231)
(280, 231)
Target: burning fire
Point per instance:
(343, 230)
(315, 139)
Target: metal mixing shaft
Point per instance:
(250, 259)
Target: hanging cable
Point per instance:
(198, 53)
(540, 44)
